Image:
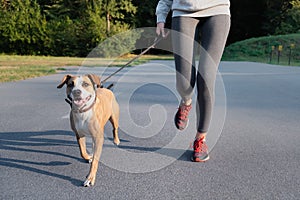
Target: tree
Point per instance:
(254, 18)
(273, 15)
(115, 17)
(22, 27)
(290, 19)
(57, 9)
(116, 13)
(76, 27)
(145, 15)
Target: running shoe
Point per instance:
(200, 153)
(181, 117)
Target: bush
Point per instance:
(260, 49)
(62, 28)
(22, 28)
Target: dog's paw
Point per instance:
(89, 182)
(116, 142)
(88, 158)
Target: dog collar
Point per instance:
(82, 110)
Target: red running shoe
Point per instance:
(200, 151)
(181, 117)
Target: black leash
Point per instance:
(156, 41)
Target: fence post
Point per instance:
(290, 53)
(279, 52)
(271, 53)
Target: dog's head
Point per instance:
(81, 90)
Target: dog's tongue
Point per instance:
(79, 102)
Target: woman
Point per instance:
(209, 21)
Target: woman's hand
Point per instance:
(160, 29)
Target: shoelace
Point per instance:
(184, 111)
(200, 146)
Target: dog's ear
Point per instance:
(96, 80)
(64, 81)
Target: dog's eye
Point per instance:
(85, 84)
(71, 84)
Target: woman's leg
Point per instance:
(214, 32)
(183, 36)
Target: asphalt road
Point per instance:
(255, 152)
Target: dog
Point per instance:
(91, 108)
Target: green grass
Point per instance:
(14, 68)
(260, 50)
(21, 73)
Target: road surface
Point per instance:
(255, 154)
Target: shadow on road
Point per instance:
(35, 151)
(136, 147)
(25, 150)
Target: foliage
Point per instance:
(255, 18)
(75, 28)
(291, 22)
(22, 27)
(109, 14)
(145, 15)
(61, 27)
(260, 49)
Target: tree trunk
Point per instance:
(107, 23)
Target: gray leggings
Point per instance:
(211, 33)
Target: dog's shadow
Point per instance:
(14, 145)
(18, 149)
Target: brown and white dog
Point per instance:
(92, 107)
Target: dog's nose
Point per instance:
(76, 92)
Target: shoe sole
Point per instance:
(200, 160)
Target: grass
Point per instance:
(14, 68)
(8, 74)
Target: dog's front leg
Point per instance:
(82, 148)
(80, 140)
(98, 143)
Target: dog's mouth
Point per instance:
(79, 101)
